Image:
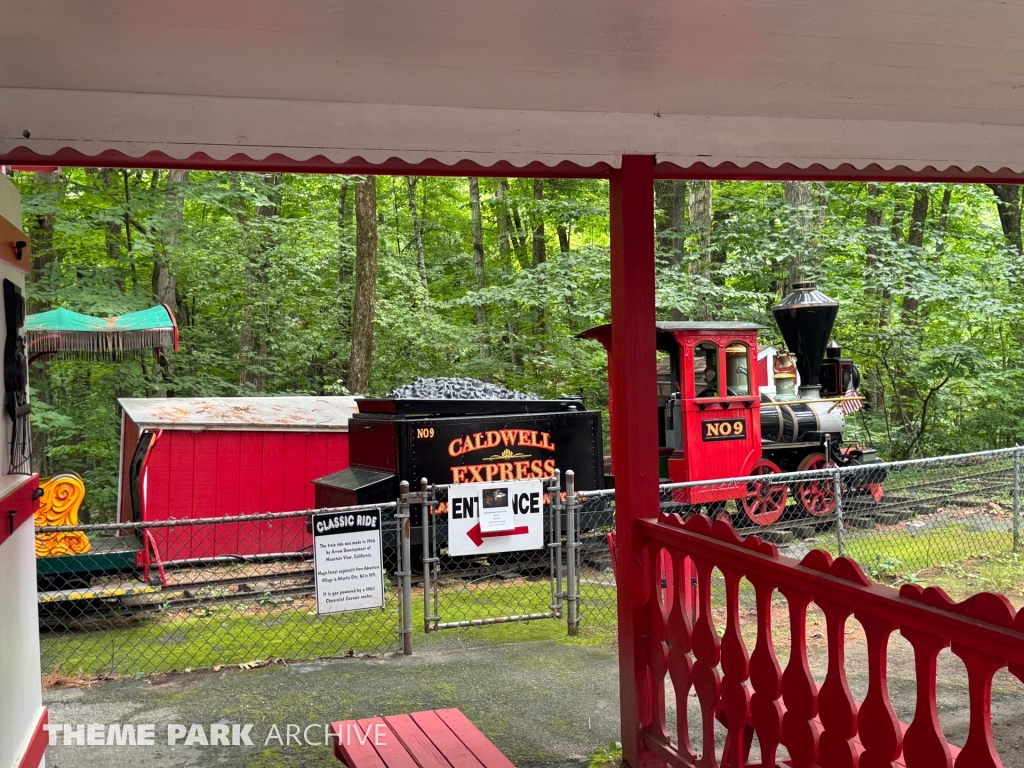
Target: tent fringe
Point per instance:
(100, 343)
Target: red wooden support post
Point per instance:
(634, 430)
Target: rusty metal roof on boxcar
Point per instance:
(299, 414)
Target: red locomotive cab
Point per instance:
(718, 407)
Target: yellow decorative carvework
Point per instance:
(62, 496)
(506, 454)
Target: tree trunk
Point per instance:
(165, 282)
(343, 205)
(504, 223)
(417, 229)
(563, 238)
(677, 233)
(913, 317)
(678, 237)
(478, 258)
(877, 240)
(112, 230)
(44, 254)
(540, 251)
(255, 329)
(128, 230)
(918, 218)
(518, 232)
(345, 288)
(799, 198)
(947, 196)
(700, 221)
(873, 224)
(873, 257)
(366, 286)
(1008, 203)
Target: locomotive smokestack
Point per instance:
(806, 317)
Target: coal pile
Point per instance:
(444, 388)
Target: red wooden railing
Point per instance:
(749, 693)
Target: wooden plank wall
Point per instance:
(212, 474)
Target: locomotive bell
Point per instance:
(805, 318)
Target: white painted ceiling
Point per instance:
(893, 82)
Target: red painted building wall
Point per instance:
(215, 473)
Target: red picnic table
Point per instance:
(439, 738)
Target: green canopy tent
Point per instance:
(71, 334)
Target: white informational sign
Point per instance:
(495, 517)
(349, 563)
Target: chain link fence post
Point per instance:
(837, 489)
(555, 545)
(428, 557)
(571, 598)
(404, 572)
(1016, 499)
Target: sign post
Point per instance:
(349, 563)
(484, 518)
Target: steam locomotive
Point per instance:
(719, 416)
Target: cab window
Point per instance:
(737, 370)
(705, 370)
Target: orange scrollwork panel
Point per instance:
(59, 504)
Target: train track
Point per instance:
(264, 589)
(926, 497)
(914, 499)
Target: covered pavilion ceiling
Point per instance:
(918, 85)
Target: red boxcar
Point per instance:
(220, 456)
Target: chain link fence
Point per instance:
(492, 588)
(951, 521)
(596, 569)
(910, 520)
(179, 594)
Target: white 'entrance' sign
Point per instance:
(349, 563)
(495, 517)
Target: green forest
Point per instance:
(316, 284)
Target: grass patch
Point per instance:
(1001, 572)
(220, 634)
(918, 552)
(607, 758)
(234, 633)
(956, 557)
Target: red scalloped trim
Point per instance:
(724, 170)
(840, 568)
(278, 162)
(990, 607)
(720, 530)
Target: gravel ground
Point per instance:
(543, 703)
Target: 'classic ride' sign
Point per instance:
(349, 563)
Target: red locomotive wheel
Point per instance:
(765, 502)
(817, 497)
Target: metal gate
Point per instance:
(496, 588)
